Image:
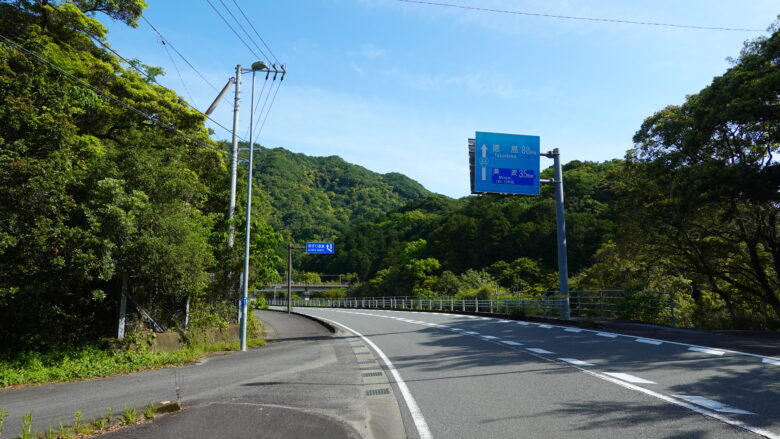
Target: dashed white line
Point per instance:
(706, 350)
(648, 341)
(629, 378)
(511, 343)
(576, 362)
(771, 361)
(471, 332)
(523, 323)
(713, 405)
(489, 337)
(539, 350)
(606, 334)
(572, 330)
(545, 326)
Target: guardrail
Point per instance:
(649, 306)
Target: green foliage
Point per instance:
(150, 411)
(334, 293)
(3, 416)
(91, 192)
(317, 198)
(26, 427)
(701, 186)
(259, 303)
(130, 415)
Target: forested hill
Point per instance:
(318, 198)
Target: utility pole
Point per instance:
(234, 158)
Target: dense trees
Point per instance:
(104, 175)
(702, 182)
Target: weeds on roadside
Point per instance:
(26, 429)
(3, 415)
(129, 416)
(65, 432)
(150, 411)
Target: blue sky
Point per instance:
(400, 87)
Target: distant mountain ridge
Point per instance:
(318, 198)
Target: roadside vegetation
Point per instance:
(107, 181)
(111, 358)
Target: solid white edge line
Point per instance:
(414, 410)
(629, 378)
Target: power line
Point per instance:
(255, 104)
(179, 53)
(233, 29)
(568, 17)
(150, 79)
(154, 119)
(256, 33)
(252, 40)
(184, 84)
(270, 106)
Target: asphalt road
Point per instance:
(476, 377)
(307, 382)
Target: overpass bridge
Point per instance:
(303, 287)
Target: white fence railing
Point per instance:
(656, 307)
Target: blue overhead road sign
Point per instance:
(506, 163)
(319, 247)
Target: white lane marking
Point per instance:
(713, 405)
(706, 350)
(764, 359)
(504, 321)
(629, 378)
(648, 341)
(444, 326)
(539, 351)
(455, 329)
(545, 326)
(414, 410)
(573, 330)
(511, 343)
(489, 337)
(471, 332)
(576, 362)
(687, 405)
(680, 403)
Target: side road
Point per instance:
(306, 382)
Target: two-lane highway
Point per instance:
(467, 377)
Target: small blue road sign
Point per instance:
(319, 247)
(506, 163)
(243, 301)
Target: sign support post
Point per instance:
(509, 164)
(560, 219)
(310, 247)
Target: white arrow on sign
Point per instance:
(484, 158)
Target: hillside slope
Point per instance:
(318, 198)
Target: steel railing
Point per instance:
(650, 306)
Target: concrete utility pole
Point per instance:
(234, 158)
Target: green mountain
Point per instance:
(319, 198)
